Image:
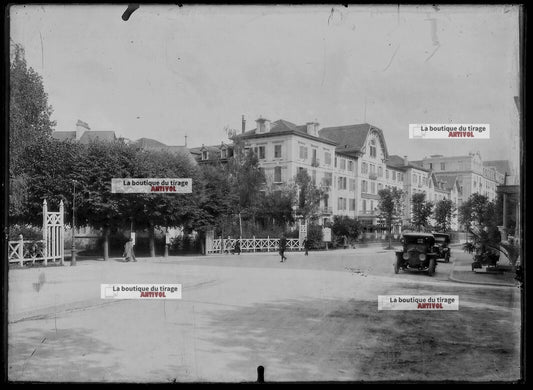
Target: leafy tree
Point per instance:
(277, 206)
(443, 213)
(148, 211)
(421, 210)
(477, 210)
(309, 196)
(29, 124)
(390, 208)
(346, 226)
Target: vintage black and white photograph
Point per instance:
(264, 193)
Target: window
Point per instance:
(261, 152)
(352, 204)
(380, 171)
(327, 158)
(224, 153)
(415, 177)
(277, 151)
(380, 187)
(373, 148)
(342, 183)
(343, 164)
(341, 204)
(364, 205)
(328, 179)
(371, 205)
(372, 187)
(352, 184)
(386, 173)
(335, 162)
(364, 168)
(364, 186)
(303, 153)
(442, 166)
(277, 174)
(394, 175)
(205, 155)
(350, 165)
(372, 169)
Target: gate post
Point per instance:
(61, 234)
(21, 250)
(45, 233)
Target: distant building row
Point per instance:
(352, 162)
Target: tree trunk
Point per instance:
(151, 239)
(106, 243)
(390, 238)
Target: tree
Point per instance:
(148, 211)
(345, 226)
(247, 180)
(390, 208)
(443, 214)
(277, 206)
(421, 210)
(29, 124)
(309, 196)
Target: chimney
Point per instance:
(263, 125)
(312, 128)
(243, 124)
(81, 127)
(185, 139)
(405, 161)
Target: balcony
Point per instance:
(372, 176)
(315, 162)
(326, 210)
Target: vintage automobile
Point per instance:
(418, 253)
(442, 246)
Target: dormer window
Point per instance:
(224, 153)
(373, 149)
(205, 155)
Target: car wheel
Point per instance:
(397, 266)
(431, 268)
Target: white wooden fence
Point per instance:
(51, 247)
(223, 245)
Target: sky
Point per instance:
(170, 72)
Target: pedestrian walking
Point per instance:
(282, 247)
(306, 246)
(237, 248)
(128, 251)
(345, 241)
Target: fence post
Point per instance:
(254, 242)
(61, 234)
(268, 243)
(21, 250)
(45, 233)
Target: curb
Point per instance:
(499, 284)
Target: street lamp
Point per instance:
(73, 249)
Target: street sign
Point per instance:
(326, 234)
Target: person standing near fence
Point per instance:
(282, 248)
(306, 246)
(128, 251)
(237, 248)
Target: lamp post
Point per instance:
(73, 249)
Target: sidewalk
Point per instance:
(462, 271)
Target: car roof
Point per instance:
(412, 234)
(441, 234)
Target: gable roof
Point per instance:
(282, 126)
(95, 135)
(148, 142)
(352, 136)
(64, 135)
(398, 162)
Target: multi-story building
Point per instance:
(471, 174)
(84, 135)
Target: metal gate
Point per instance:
(51, 246)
